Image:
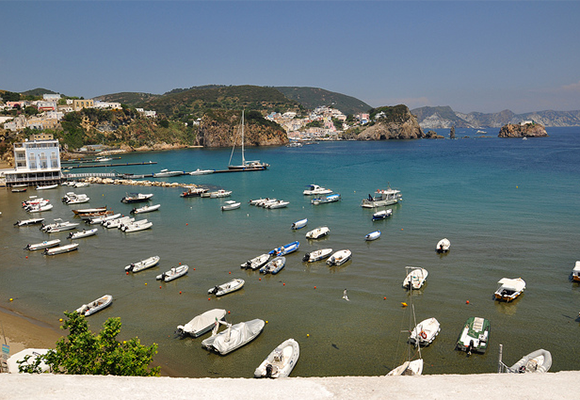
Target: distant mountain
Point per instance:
(311, 98)
(128, 98)
(37, 92)
(445, 117)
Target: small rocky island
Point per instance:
(525, 129)
(395, 122)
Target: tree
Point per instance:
(85, 353)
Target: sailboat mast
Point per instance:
(243, 154)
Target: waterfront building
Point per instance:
(36, 162)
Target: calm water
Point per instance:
(509, 207)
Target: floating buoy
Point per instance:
(314, 287)
(60, 320)
(283, 284)
(11, 299)
(401, 228)
(229, 312)
(266, 321)
(230, 272)
(260, 279)
(308, 335)
(179, 263)
(180, 292)
(467, 302)
(26, 256)
(186, 224)
(145, 283)
(404, 304)
(159, 287)
(385, 298)
(127, 273)
(194, 269)
(209, 298)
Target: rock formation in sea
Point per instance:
(392, 123)
(522, 130)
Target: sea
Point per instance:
(510, 208)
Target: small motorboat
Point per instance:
(26, 222)
(194, 192)
(318, 233)
(274, 266)
(143, 264)
(136, 197)
(538, 361)
(47, 187)
(145, 209)
(314, 190)
(280, 361)
(82, 234)
(93, 212)
(317, 255)
(382, 214)
(202, 171)
(58, 226)
(382, 197)
(218, 194)
(117, 222)
(102, 219)
(73, 198)
(61, 249)
(331, 198)
(576, 272)
(173, 273)
(95, 306)
(509, 289)
(425, 332)
(443, 246)
(202, 323)
(286, 249)
(474, 336)
(39, 208)
(137, 226)
(339, 258)
(256, 262)
(42, 245)
(408, 368)
(228, 287)
(165, 173)
(300, 224)
(231, 205)
(372, 236)
(103, 159)
(416, 278)
(234, 337)
(276, 204)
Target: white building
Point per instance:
(36, 162)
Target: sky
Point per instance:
(484, 56)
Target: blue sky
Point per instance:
(473, 56)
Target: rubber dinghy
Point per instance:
(143, 264)
(234, 337)
(228, 287)
(280, 362)
(95, 306)
(256, 262)
(173, 273)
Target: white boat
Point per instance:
(137, 226)
(173, 273)
(245, 165)
(92, 212)
(425, 332)
(300, 224)
(218, 194)
(103, 159)
(274, 266)
(264, 202)
(443, 246)
(72, 198)
(194, 192)
(31, 221)
(47, 187)
(339, 258)
(143, 264)
(314, 190)
(20, 359)
(277, 204)
(256, 202)
(415, 278)
(231, 205)
(202, 323)
(256, 262)
(474, 336)
(145, 209)
(61, 249)
(234, 337)
(58, 226)
(280, 361)
(410, 368)
(228, 287)
(382, 197)
(165, 173)
(318, 233)
(509, 289)
(81, 184)
(95, 306)
(372, 236)
(39, 208)
(317, 255)
(82, 234)
(331, 198)
(382, 214)
(42, 245)
(117, 222)
(102, 219)
(576, 272)
(136, 197)
(538, 361)
(202, 171)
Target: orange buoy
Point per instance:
(314, 287)
(467, 302)
(283, 284)
(180, 292)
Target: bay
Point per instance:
(509, 207)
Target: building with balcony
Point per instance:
(36, 162)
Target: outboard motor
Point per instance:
(269, 371)
(306, 257)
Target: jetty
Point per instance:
(102, 165)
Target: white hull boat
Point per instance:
(202, 323)
(218, 194)
(317, 255)
(443, 246)
(314, 190)
(26, 222)
(255, 165)
(47, 187)
(256, 262)
(411, 368)
(416, 278)
(95, 306)
(194, 192)
(576, 272)
(231, 205)
(538, 361)
(37, 209)
(136, 197)
(145, 209)
(228, 287)
(82, 234)
(165, 173)
(234, 337)
(383, 214)
(318, 233)
(72, 199)
(42, 245)
(202, 171)
(372, 236)
(339, 258)
(61, 249)
(103, 219)
(143, 264)
(425, 332)
(474, 336)
(382, 197)
(90, 211)
(280, 362)
(509, 289)
(137, 226)
(59, 226)
(173, 273)
(331, 198)
(274, 266)
(276, 204)
(117, 222)
(300, 224)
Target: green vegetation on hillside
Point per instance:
(398, 113)
(311, 98)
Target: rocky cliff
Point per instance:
(519, 131)
(392, 123)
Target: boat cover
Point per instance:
(234, 336)
(203, 322)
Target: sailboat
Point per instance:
(410, 366)
(256, 165)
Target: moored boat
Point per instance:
(255, 165)
(90, 211)
(286, 249)
(39, 208)
(443, 246)
(231, 205)
(256, 262)
(82, 234)
(202, 171)
(137, 226)
(47, 187)
(314, 190)
(136, 197)
(538, 361)
(425, 332)
(234, 337)
(318, 233)
(331, 198)
(280, 362)
(474, 336)
(202, 323)
(382, 214)
(61, 249)
(96, 305)
(576, 272)
(382, 197)
(173, 273)
(102, 219)
(58, 226)
(274, 266)
(299, 224)
(218, 194)
(165, 173)
(276, 204)
(145, 209)
(509, 289)
(339, 257)
(26, 222)
(317, 255)
(372, 236)
(194, 192)
(228, 287)
(143, 264)
(117, 222)
(42, 245)
(416, 278)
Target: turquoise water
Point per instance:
(509, 207)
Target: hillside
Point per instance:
(128, 98)
(394, 122)
(311, 98)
